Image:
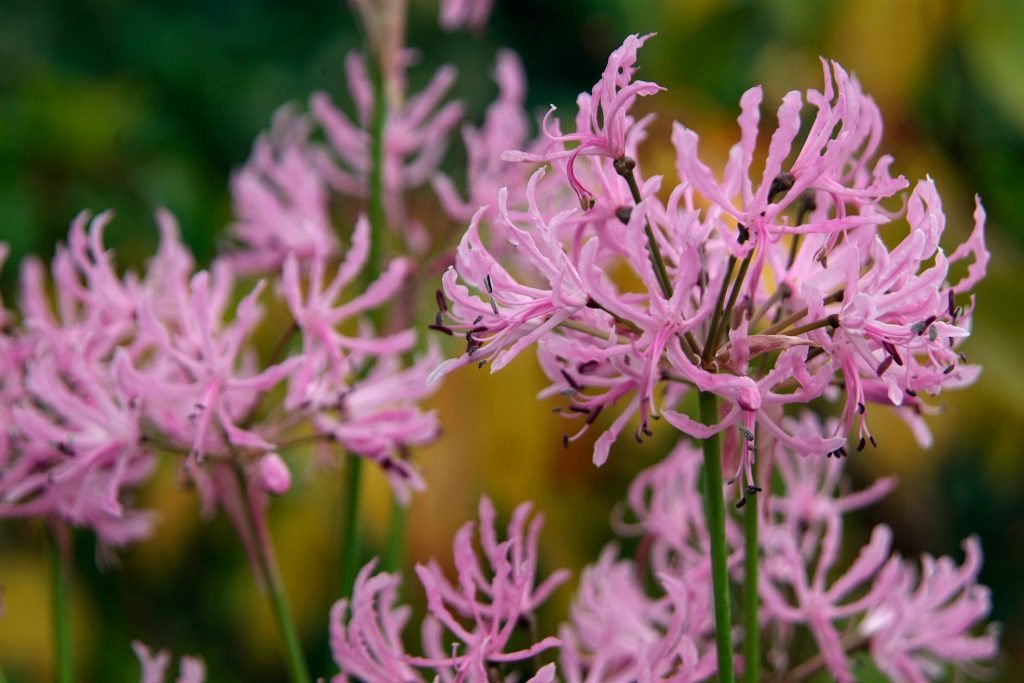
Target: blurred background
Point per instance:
(137, 104)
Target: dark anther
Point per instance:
(494, 306)
(639, 439)
(962, 357)
(623, 213)
(64, 448)
(949, 369)
(587, 366)
(952, 304)
(747, 434)
(833, 321)
(861, 444)
(442, 303)
(807, 205)
(442, 328)
(488, 285)
(744, 233)
(647, 430)
(883, 366)
(472, 344)
(438, 320)
(565, 441)
(593, 415)
(874, 444)
(482, 363)
(781, 183)
(860, 408)
(556, 409)
(570, 381)
(910, 392)
(593, 304)
(753, 490)
(477, 319)
(741, 502)
(842, 451)
(578, 409)
(624, 165)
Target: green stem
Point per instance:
(709, 342)
(378, 218)
(296, 661)
(61, 605)
(715, 504)
(395, 554)
(733, 295)
(3, 679)
(660, 272)
(751, 633)
(351, 538)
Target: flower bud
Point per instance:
(274, 475)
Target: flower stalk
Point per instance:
(298, 670)
(714, 502)
(751, 557)
(60, 581)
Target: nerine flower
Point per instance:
(415, 139)
(506, 126)
(760, 292)
(603, 125)
(154, 666)
(281, 200)
(470, 621)
(472, 14)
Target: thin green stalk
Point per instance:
(715, 503)
(733, 295)
(351, 534)
(3, 679)
(296, 661)
(660, 272)
(395, 554)
(61, 608)
(751, 633)
(709, 342)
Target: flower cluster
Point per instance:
(765, 293)
(470, 621)
(128, 366)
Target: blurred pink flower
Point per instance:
(472, 14)
(154, 666)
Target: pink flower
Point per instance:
(472, 14)
(154, 666)
(757, 293)
(281, 200)
(506, 126)
(480, 611)
(415, 139)
(925, 622)
(603, 125)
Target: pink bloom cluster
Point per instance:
(129, 366)
(765, 292)
(651, 618)
(154, 666)
(470, 621)
(914, 625)
(472, 14)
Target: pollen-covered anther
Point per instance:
(624, 213)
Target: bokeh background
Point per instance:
(135, 104)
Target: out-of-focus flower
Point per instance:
(505, 127)
(469, 622)
(472, 14)
(281, 200)
(154, 666)
(925, 622)
(415, 139)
